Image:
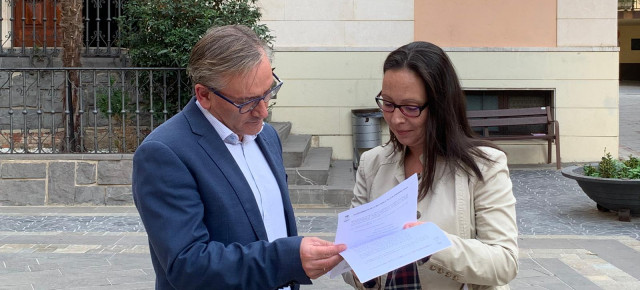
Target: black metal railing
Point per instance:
(33, 28)
(86, 110)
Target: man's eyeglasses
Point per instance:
(407, 110)
(251, 104)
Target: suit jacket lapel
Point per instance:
(277, 167)
(213, 145)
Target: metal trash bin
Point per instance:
(366, 131)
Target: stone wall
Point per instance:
(65, 179)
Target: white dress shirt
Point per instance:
(258, 174)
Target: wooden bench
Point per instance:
(501, 120)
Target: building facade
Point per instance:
(508, 54)
(629, 39)
(559, 53)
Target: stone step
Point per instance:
(314, 170)
(283, 129)
(337, 192)
(295, 149)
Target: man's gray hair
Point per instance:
(224, 52)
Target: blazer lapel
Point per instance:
(278, 170)
(213, 145)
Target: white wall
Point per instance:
(329, 54)
(338, 24)
(587, 22)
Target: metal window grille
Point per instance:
(32, 28)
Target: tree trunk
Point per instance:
(71, 26)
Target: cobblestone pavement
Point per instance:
(547, 204)
(550, 204)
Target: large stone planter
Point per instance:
(621, 195)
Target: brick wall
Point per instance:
(65, 179)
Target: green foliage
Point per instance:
(113, 104)
(607, 166)
(590, 170)
(612, 168)
(161, 33)
(632, 162)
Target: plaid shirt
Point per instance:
(403, 278)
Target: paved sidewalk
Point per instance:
(565, 242)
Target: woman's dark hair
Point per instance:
(448, 134)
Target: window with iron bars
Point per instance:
(32, 28)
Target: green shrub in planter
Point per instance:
(609, 167)
(612, 184)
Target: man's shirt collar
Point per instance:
(225, 133)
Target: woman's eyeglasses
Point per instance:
(407, 110)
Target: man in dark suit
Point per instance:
(210, 184)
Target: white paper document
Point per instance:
(376, 242)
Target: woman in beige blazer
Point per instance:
(464, 182)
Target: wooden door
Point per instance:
(40, 19)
